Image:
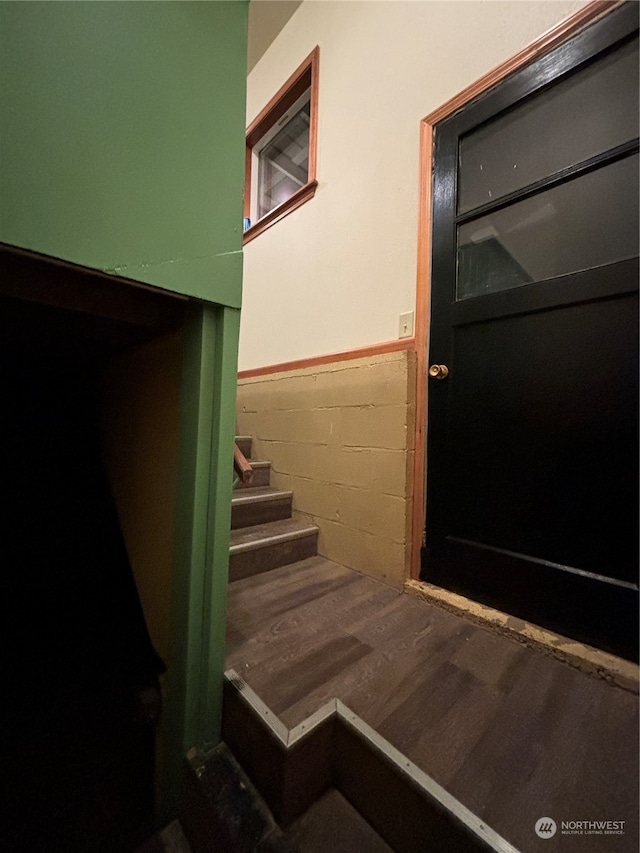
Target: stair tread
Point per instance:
(329, 817)
(258, 533)
(259, 493)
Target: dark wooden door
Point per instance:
(532, 501)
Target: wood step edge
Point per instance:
(272, 539)
(241, 497)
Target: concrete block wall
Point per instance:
(341, 436)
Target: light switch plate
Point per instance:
(406, 325)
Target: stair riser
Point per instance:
(334, 747)
(261, 477)
(272, 556)
(244, 443)
(289, 780)
(260, 512)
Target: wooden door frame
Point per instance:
(545, 44)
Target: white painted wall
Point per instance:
(336, 273)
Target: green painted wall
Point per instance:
(194, 708)
(122, 149)
(122, 138)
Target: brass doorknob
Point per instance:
(438, 371)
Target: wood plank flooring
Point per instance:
(512, 733)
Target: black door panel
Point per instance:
(532, 478)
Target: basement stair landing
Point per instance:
(364, 719)
(513, 734)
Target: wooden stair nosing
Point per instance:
(335, 747)
(271, 539)
(259, 494)
(272, 556)
(250, 507)
(263, 547)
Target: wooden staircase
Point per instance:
(330, 783)
(263, 533)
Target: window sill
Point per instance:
(298, 198)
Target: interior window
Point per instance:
(281, 148)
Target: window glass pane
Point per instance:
(552, 131)
(284, 162)
(589, 221)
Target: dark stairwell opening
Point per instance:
(80, 671)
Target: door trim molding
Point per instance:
(532, 52)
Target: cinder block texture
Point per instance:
(341, 436)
